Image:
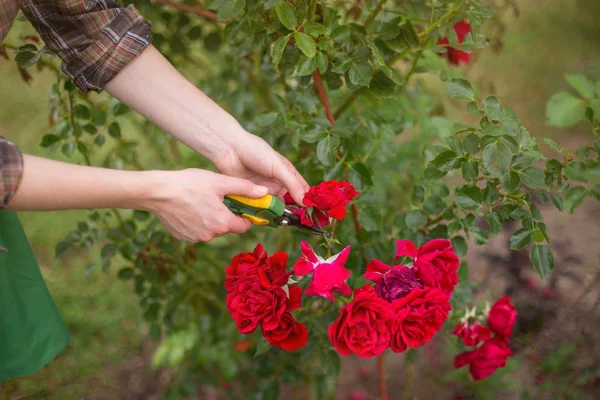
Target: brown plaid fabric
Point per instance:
(11, 166)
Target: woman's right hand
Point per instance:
(189, 203)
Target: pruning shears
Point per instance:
(267, 211)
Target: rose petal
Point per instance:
(295, 300)
(405, 248)
(376, 269)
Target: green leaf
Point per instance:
(470, 170)
(126, 273)
(460, 245)
(434, 205)
(324, 150)
(558, 201)
(490, 194)
(49, 140)
(262, 347)
(583, 85)
(495, 221)
(81, 111)
(473, 109)
(574, 197)
(287, 15)
(277, 50)
(510, 126)
(446, 160)
(460, 89)
(583, 171)
(306, 66)
(195, 33)
(306, 44)
(230, 9)
(496, 158)
(471, 144)
(595, 191)
(416, 219)
(114, 130)
(265, 119)
(212, 42)
(468, 197)
(322, 62)
(543, 259)
(364, 173)
(361, 74)
(523, 160)
(564, 110)
(533, 178)
(62, 249)
(68, 149)
(492, 130)
(315, 29)
(27, 55)
(109, 251)
(314, 134)
(100, 140)
(491, 106)
(521, 238)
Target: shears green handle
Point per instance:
(261, 211)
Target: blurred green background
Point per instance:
(548, 39)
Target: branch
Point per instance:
(375, 13)
(323, 96)
(191, 9)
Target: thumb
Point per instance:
(242, 187)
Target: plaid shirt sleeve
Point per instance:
(94, 38)
(11, 169)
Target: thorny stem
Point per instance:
(323, 96)
(442, 20)
(209, 15)
(409, 380)
(381, 373)
(375, 13)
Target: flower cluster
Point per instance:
(455, 56)
(259, 294)
(324, 202)
(407, 306)
(493, 353)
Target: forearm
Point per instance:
(52, 185)
(154, 88)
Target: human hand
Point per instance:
(250, 157)
(189, 203)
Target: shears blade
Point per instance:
(290, 219)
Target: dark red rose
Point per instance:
(251, 304)
(472, 334)
(485, 360)
(419, 316)
(502, 317)
(273, 273)
(435, 262)
(363, 327)
(244, 264)
(294, 298)
(455, 56)
(289, 335)
(392, 283)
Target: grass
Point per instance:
(102, 313)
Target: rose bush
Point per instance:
(331, 85)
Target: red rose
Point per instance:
(244, 264)
(289, 335)
(502, 317)
(363, 326)
(472, 334)
(392, 283)
(419, 316)
(435, 262)
(250, 304)
(273, 273)
(456, 56)
(484, 360)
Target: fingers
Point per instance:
(287, 174)
(239, 224)
(241, 187)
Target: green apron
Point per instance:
(32, 332)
